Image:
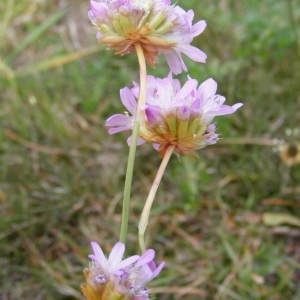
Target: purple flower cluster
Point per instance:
(126, 278)
(157, 25)
(174, 115)
(170, 116)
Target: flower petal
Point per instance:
(153, 114)
(193, 53)
(97, 11)
(147, 257)
(119, 122)
(187, 89)
(128, 261)
(128, 100)
(175, 62)
(158, 270)
(139, 141)
(183, 112)
(116, 254)
(207, 88)
(227, 109)
(115, 130)
(199, 27)
(99, 256)
(155, 146)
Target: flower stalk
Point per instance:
(172, 117)
(144, 220)
(133, 144)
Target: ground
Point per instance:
(226, 223)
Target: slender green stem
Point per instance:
(144, 220)
(132, 149)
(294, 24)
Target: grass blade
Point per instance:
(6, 18)
(36, 33)
(56, 62)
(6, 70)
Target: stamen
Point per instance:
(144, 291)
(101, 279)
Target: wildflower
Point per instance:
(141, 273)
(174, 115)
(117, 279)
(156, 25)
(290, 153)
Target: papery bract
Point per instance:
(115, 279)
(174, 115)
(157, 25)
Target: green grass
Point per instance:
(61, 175)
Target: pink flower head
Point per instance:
(141, 273)
(174, 115)
(124, 279)
(157, 25)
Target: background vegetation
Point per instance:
(227, 224)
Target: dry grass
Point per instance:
(62, 175)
